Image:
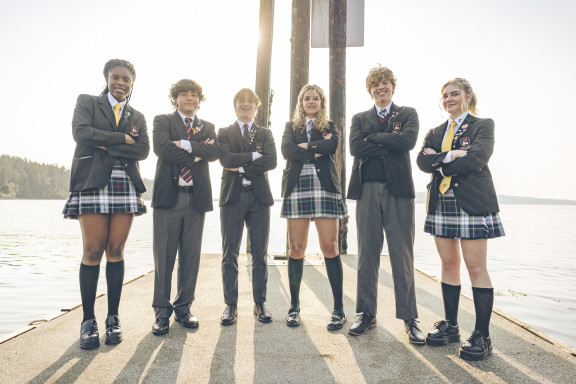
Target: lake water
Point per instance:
(533, 268)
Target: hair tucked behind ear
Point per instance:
(113, 63)
(465, 86)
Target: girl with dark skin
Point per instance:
(106, 187)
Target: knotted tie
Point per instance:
(447, 146)
(383, 113)
(246, 137)
(309, 129)
(117, 112)
(185, 173)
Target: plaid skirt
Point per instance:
(450, 221)
(119, 196)
(309, 199)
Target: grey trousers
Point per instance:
(247, 209)
(377, 211)
(176, 230)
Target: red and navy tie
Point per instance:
(185, 173)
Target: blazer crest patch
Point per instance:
(396, 127)
(465, 142)
(134, 130)
(259, 147)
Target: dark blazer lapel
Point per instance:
(372, 118)
(179, 125)
(238, 135)
(106, 109)
(125, 118)
(466, 125)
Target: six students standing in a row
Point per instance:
(462, 207)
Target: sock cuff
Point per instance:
(114, 264)
(89, 267)
(487, 290)
(332, 259)
(293, 260)
(450, 285)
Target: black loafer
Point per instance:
(478, 347)
(337, 320)
(89, 336)
(113, 330)
(443, 333)
(161, 326)
(262, 313)
(363, 323)
(415, 335)
(229, 316)
(187, 320)
(293, 318)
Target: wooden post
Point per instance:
(263, 64)
(337, 99)
(299, 58)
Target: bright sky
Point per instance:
(518, 54)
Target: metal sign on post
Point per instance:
(321, 21)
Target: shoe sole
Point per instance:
(160, 333)
(335, 328)
(361, 333)
(227, 322)
(471, 356)
(292, 325)
(112, 340)
(414, 342)
(443, 341)
(90, 345)
(187, 325)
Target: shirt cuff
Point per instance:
(186, 145)
(442, 173)
(448, 157)
(241, 170)
(255, 155)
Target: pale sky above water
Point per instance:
(518, 55)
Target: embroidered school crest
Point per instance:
(134, 130)
(396, 127)
(465, 142)
(259, 147)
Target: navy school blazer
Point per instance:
(94, 125)
(471, 178)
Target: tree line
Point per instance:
(24, 179)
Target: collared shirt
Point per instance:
(187, 146)
(255, 155)
(459, 120)
(113, 102)
(309, 127)
(387, 108)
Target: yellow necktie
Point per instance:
(447, 146)
(117, 112)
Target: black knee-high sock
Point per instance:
(335, 276)
(483, 303)
(88, 285)
(295, 270)
(114, 281)
(451, 296)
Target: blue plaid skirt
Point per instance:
(309, 199)
(450, 221)
(119, 196)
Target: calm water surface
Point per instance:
(533, 268)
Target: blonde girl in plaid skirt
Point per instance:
(106, 187)
(311, 191)
(462, 212)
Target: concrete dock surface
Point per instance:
(252, 352)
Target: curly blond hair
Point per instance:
(299, 119)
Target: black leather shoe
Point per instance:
(443, 333)
(337, 320)
(187, 320)
(262, 313)
(229, 316)
(415, 335)
(161, 326)
(89, 336)
(293, 318)
(478, 347)
(113, 330)
(363, 323)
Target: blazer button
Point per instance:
(455, 185)
(125, 164)
(317, 169)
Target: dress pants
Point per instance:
(247, 209)
(378, 211)
(176, 230)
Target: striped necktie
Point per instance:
(185, 172)
(447, 146)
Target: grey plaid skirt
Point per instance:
(450, 221)
(119, 196)
(309, 199)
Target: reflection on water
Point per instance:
(533, 268)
